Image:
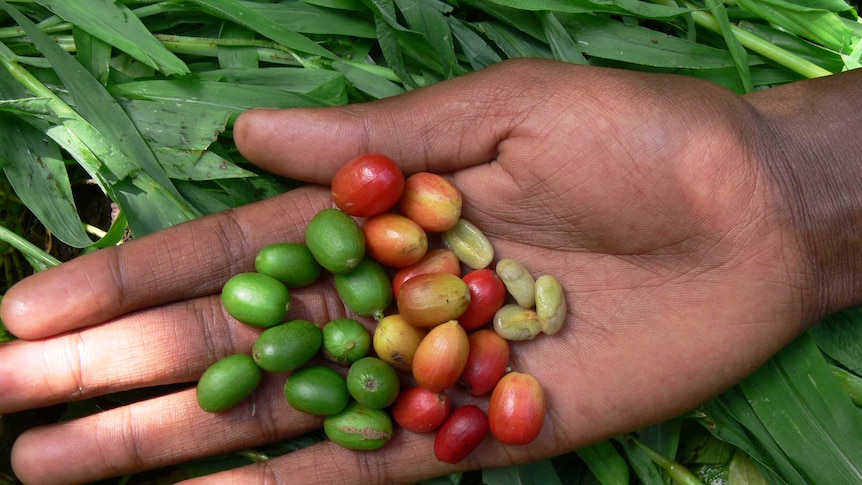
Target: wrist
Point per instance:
(814, 156)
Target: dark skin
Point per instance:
(696, 233)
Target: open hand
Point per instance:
(647, 196)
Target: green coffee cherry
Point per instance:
(291, 263)
(366, 290)
(336, 240)
(317, 390)
(358, 427)
(287, 346)
(373, 382)
(256, 299)
(345, 341)
(227, 382)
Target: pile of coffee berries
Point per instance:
(404, 258)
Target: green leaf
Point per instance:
(479, 54)
(352, 5)
(798, 400)
(603, 37)
(198, 165)
(115, 234)
(697, 445)
(97, 106)
(221, 95)
(236, 57)
(501, 476)
(818, 25)
(387, 26)
(743, 470)
(94, 54)
(606, 463)
(327, 86)
(562, 45)
(663, 437)
(366, 81)
(644, 468)
(513, 43)
(121, 181)
(244, 15)
(730, 417)
(540, 472)
(518, 19)
(168, 123)
(836, 6)
(813, 53)
(38, 174)
(311, 19)
(116, 25)
(424, 18)
(206, 199)
(627, 7)
(737, 52)
(840, 336)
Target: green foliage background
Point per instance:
(131, 103)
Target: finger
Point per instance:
(152, 434)
(441, 127)
(164, 345)
(185, 261)
(407, 458)
(135, 351)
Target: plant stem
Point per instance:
(755, 43)
(18, 32)
(208, 47)
(27, 248)
(674, 469)
(9, 60)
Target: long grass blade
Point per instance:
(97, 106)
(38, 175)
(625, 7)
(427, 18)
(312, 19)
(798, 400)
(646, 471)
(758, 45)
(562, 44)
(478, 52)
(94, 54)
(387, 28)
(729, 417)
(116, 25)
(236, 57)
(606, 38)
(737, 52)
(606, 463)
(366, 81)
(541, 472)
(248, 17)
(216, 95)
(840, 336)
(818, 25)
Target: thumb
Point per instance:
(441, 127)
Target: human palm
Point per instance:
(644, 195)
